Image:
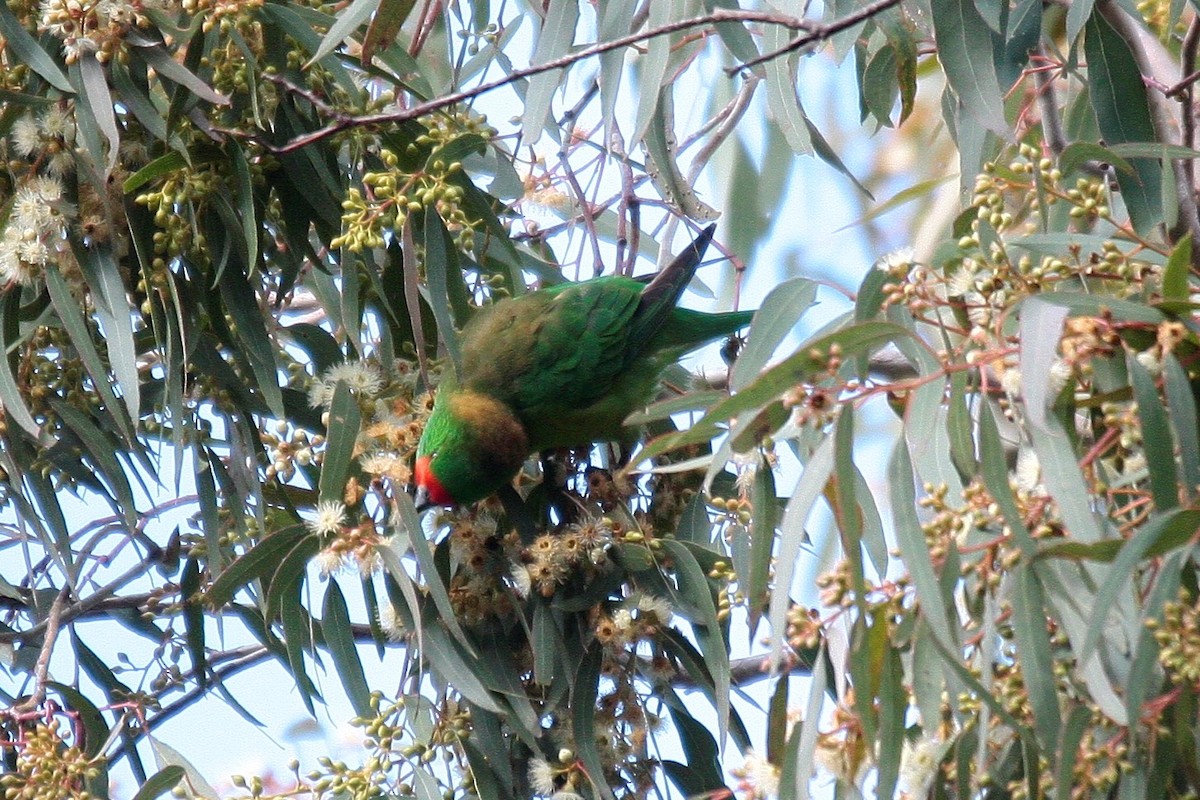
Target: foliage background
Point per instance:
(238, 239)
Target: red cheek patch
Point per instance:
(428, 481)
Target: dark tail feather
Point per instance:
(663, 292)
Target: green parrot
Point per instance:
(558, 367)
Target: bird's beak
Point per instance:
(421, 499)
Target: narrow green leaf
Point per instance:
(1078, 15)
(345, 23)
(385, 26)
(163, 165)
(29, 52)
(1068, 751)
(1181, 404)
(415, 536)
(782, 101)
(616, 17)
(1161, 534)
(662, 165)
(442, 273)
(583, 716)
(1119, 98)
(241, 302)
(762, 543)
(102, 451)
(1152, 149)
(964, 45)
(778, 315)
(694, 590)
(11, 400)
(345, 419)
(193, 619)
(155, 54)
(95, 730)
(810, 359)
(339, 638)
(160, 782)
(103, 275)
(256, 563)
(934, 609)
(554, 40)
(244, 191)
(100, 103)
(1077, 154)
(166, 756)
(1178, 270)
(1035, 653)
(81, 337)
(903, 197)
(460, 672)
(1156, 437)
(545, 644)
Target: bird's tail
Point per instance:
(663, 292)
(689, 329)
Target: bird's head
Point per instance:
(472, 445)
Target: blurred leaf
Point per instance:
(778, 315)
(339, 638)
(1181, 405)
(100, 104)
(166, 756)
(554, 40)
(1177, 272)
(782, 100)
(346, 21)
(11, 400)
(256, 563)
(1122, 111)
(1163, 533)
(662, 167)
(385, 26)
(160, 782)
(810, 359)
(193, 619)
(1156, 437)
(963, 39)
(652, 72)
(344, 423)
(29, 52)
(615, 19)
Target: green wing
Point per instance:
(554, 350)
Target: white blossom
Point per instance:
(328, 519)
(541, 776)
(918, 765)
(26, 137)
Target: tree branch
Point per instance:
(345, 122)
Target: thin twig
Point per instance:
(345, 122)
(1187, 112)
(41, 670)
(817, 33)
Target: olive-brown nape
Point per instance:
(497, 433)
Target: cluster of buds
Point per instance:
(92, 27)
